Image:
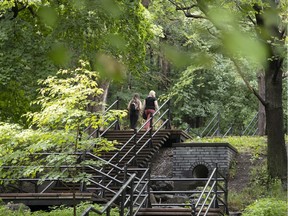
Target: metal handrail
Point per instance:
(216, 192)
(86, 129)
(134, 135)
(202, 206)
(212, 120)
(215, 197)
(254, 119)
(108, 204)
(134, 146)
(228, 131)
(204, 189)
(131, 199)
(115, 102)
(113, 123)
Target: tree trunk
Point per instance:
(146, 3)
(165, 70)
(273, 38)
(261, 109)
(100, 100)
(277, 152)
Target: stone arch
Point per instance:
(200, 169)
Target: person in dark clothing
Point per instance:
(134, 107)
(150, 106)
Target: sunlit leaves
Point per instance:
(56, 129)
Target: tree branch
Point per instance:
(15, 9)
(250, 18)
(216, 36)
(185, 8)
(264, 103)
(188, 14)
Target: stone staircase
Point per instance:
(143, 158)
(144, 155)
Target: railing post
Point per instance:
(215, 204)
(36, 185)
(218, 124)
(83, 184)
(226, 196)
(123, 196)
(108, 211)
(135, 147)
(131, 196)
(117, 125)
(103, 180)
(148, 186)
(193, 208)
(150, 132)
(168, 125)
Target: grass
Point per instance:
(244, 144)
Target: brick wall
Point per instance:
(188, 156)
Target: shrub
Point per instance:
(55, 211)
(266, 207)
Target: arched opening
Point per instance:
(200, 171)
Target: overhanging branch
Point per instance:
(188, 14)
(186, 10)
(264, 103)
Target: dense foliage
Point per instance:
(39, 37)
(55, 129)
(266, 207)
(56, 211)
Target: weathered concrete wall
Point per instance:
(191, 159)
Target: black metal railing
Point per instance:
(133, 194)
(219, 128)
(213, 195)
(102, 180)
(252, 127)
(213, 127)
(137, 137)
(115, 124)
(211, 198)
